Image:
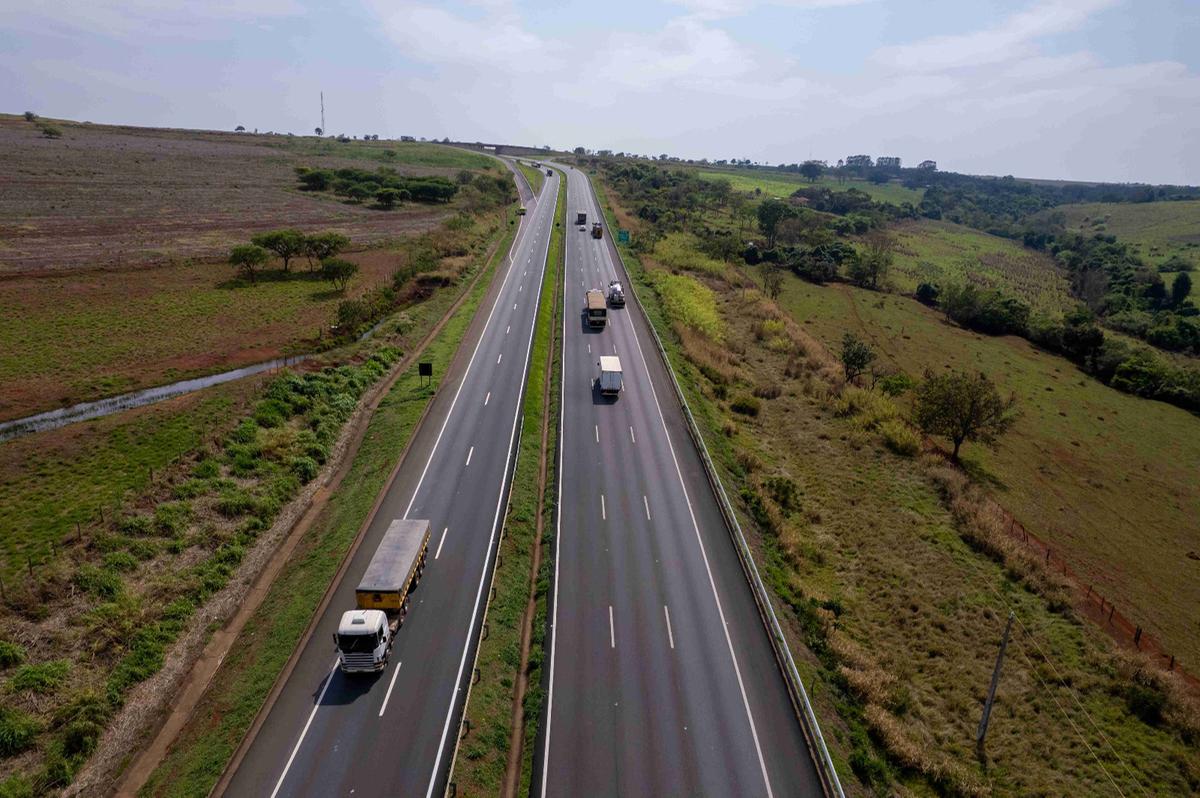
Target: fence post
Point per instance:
(1137, 638)
(1111, 609)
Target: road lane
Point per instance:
(695, 705)
(392, 733)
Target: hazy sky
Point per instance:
(1081, 89)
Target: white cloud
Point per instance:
(1013, 38)
(129, 18)
(721, 9)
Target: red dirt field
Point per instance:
(116, 197)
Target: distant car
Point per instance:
(583, 227)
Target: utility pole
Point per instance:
(322, 112)
(991, 696)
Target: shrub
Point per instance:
(51, 132)
(172, 517)
(896, 384)
(305, 468)
(42, 678)
(120, 561)
(206, 468)
(868, 409)
(82, 722)
(98, 582)
(245, 432)
(11, 654)
(16, 786)
(17, 731)
(900, 438)
(771, 391)
(784, 493)
(235, 502)
(1146, 702)
(746, 405)
(136, 525)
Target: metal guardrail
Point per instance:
(783, 652)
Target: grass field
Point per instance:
(1157, 230)
(894, 617)
(782, 184)
(50, 481)
(1088, 468)
(943, 252)
(410, 153)
(82, 335)
(238, 689)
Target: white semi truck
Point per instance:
(616, 294)
(365, 635)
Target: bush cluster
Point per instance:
(385, 185)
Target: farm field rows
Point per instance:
(943, 252)
(109, 197)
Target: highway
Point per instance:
(394, 733)
(662, 677)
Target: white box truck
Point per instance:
(610, 381)
(596, 308)
(616, 294)
(365, 635)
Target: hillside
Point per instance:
(1157, 230)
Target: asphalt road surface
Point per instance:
(392, 734)
(662, 677)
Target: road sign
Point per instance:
(425, 370)
(623, 236)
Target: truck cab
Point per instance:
(363, 639)
(521, 211)
(616, 294)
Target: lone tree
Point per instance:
(770, 213)
(1181, 288)
(963, 407)
(856, 356)
(240, 129)
(247, 258)
(287, 244)
(873, 263)
(338, 271)
(319, 246)
(30, 116)
(772, 279)
(318, 131)
(811, 170)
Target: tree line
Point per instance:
(319, 249)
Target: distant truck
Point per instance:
(521, 211)
(597, 308)
(597, 230)
(581, 218)
(616, 294)
(549, 173)
(610, 381)
(365, 635)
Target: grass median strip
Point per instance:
(497, 703)
(201, 752)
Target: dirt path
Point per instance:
(186, 686)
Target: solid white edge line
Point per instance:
(646, 501)
(486, 398)
(612, 630)
(470, 452)
(632, 437)
(597, 433)
(311, 715)
(499, 357)
(441, 543)
(704, 555)
(391, 684)
(603, 511)
(495, 521)
(670, 636)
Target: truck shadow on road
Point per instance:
(346, 688)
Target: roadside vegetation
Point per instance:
(508, 671)
(536, 177)
(895, 568)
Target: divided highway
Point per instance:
(394, 733)
(662, 678)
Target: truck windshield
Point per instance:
(358, 644)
